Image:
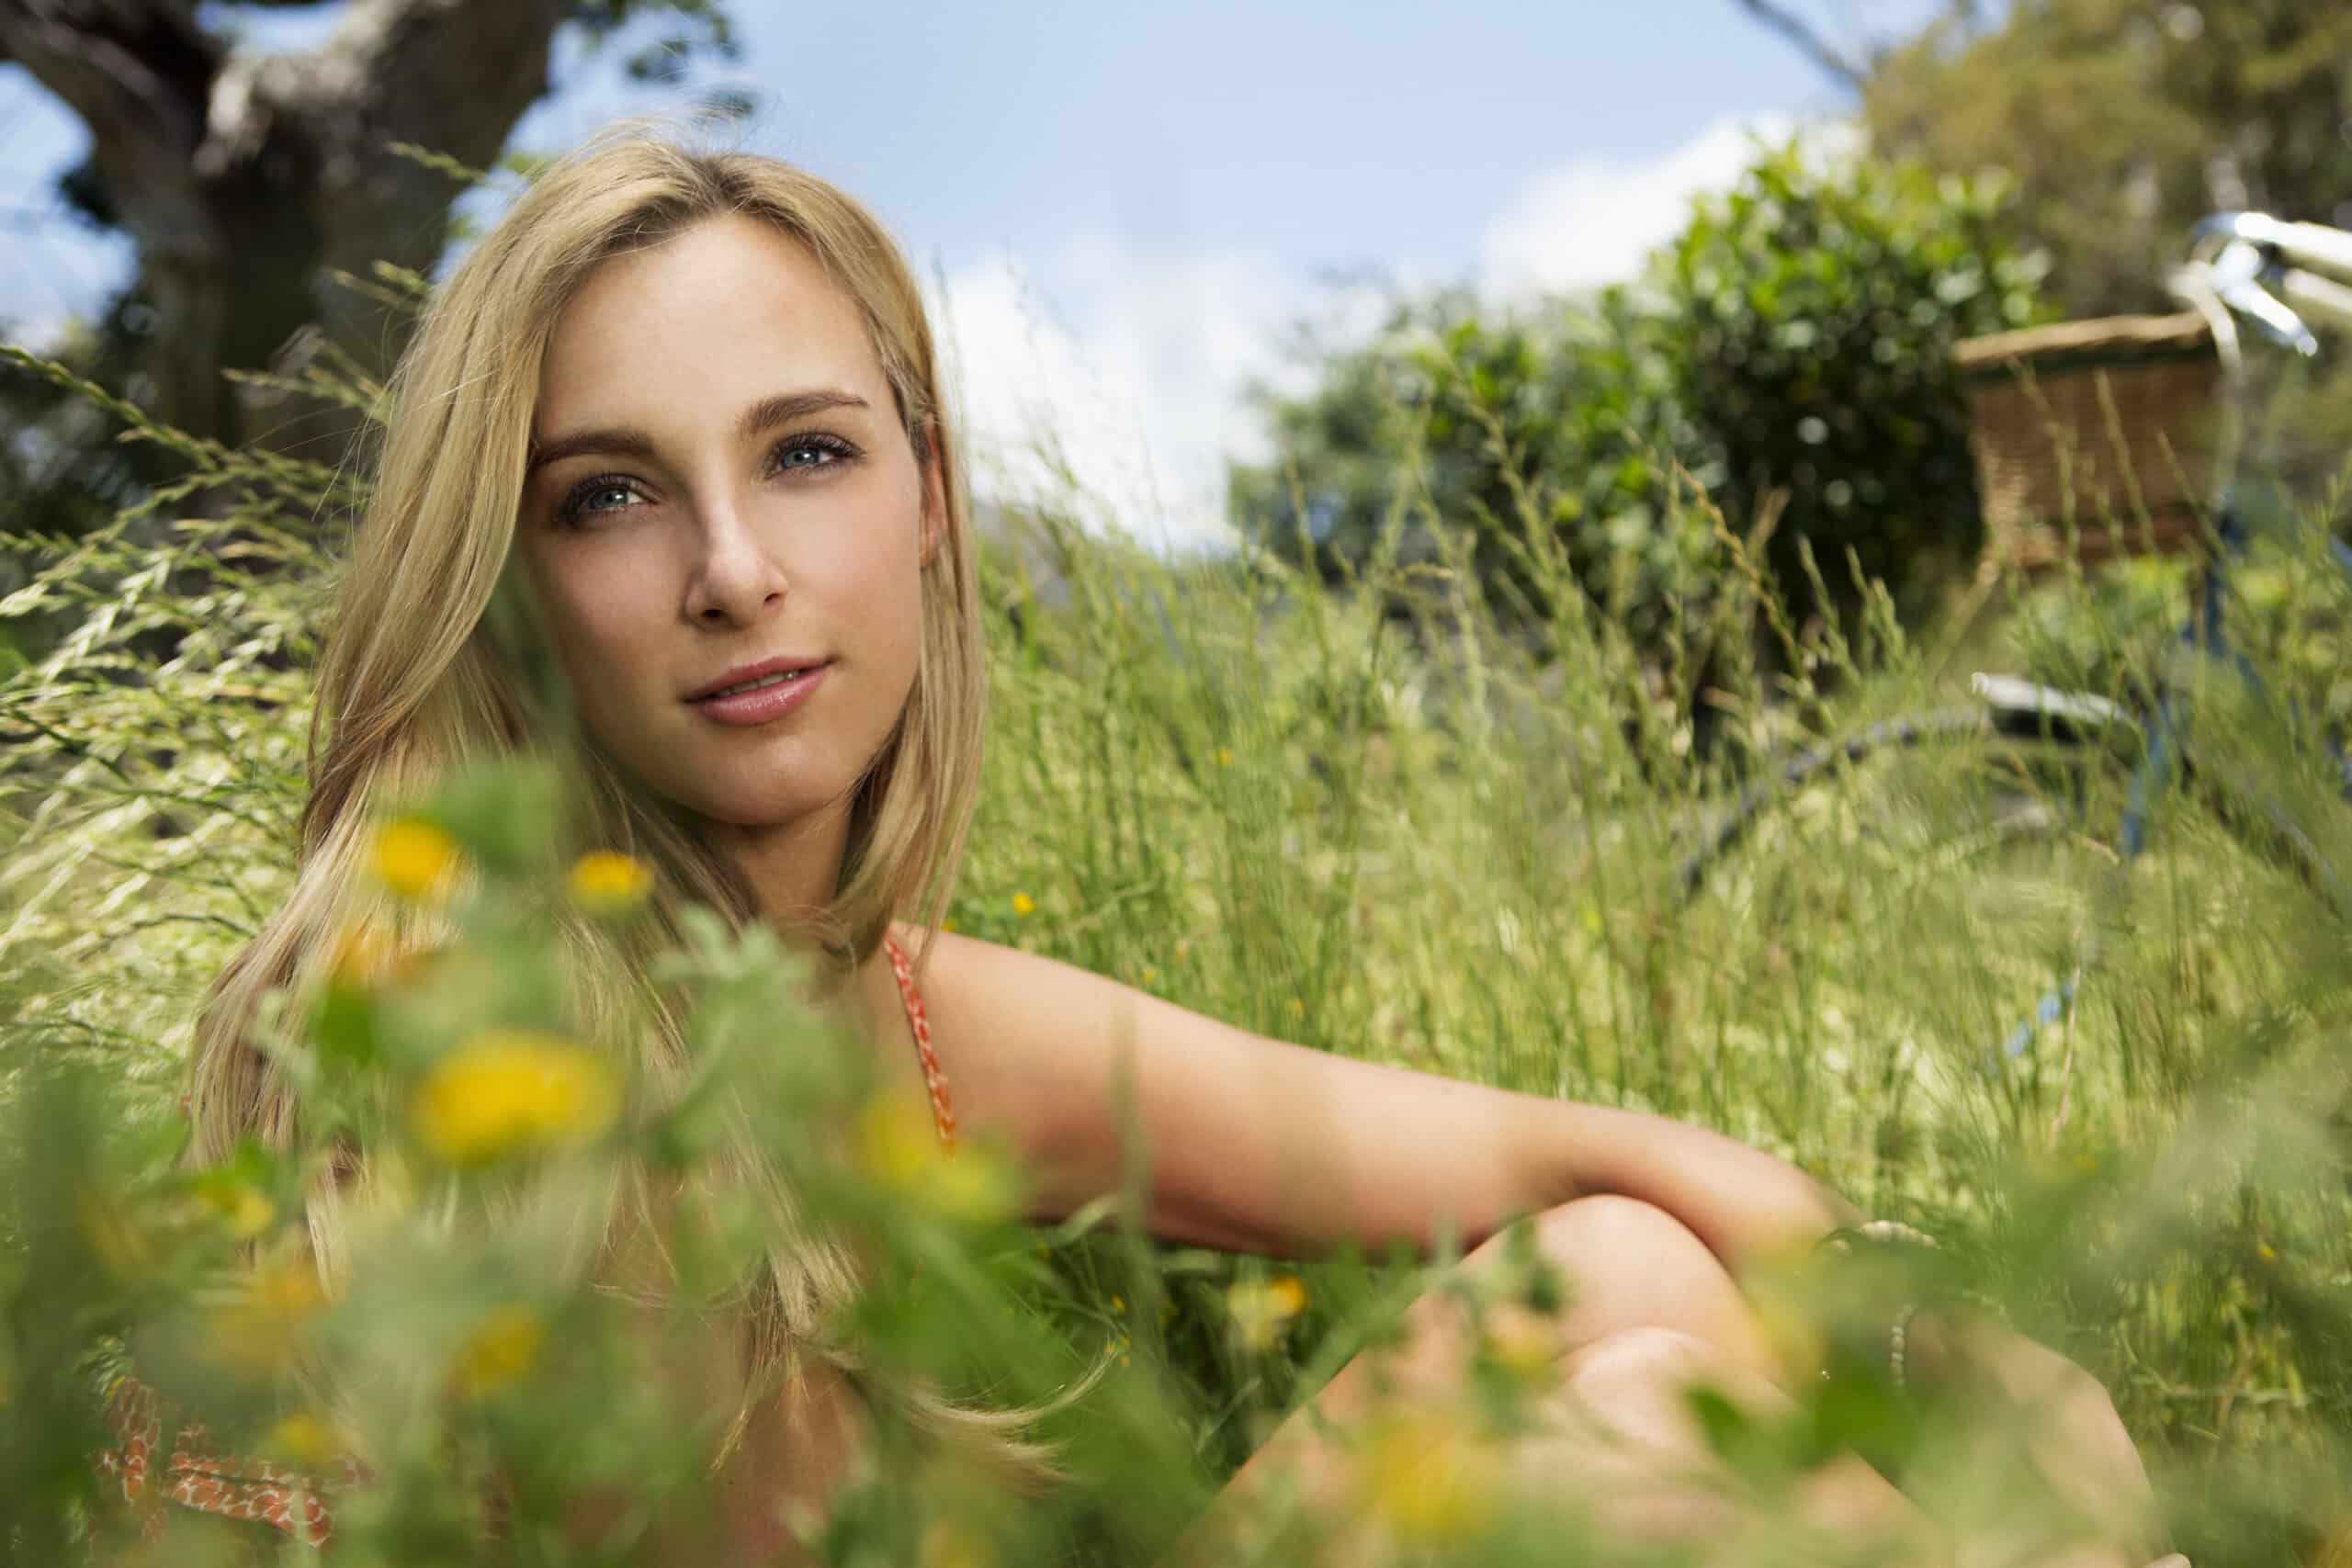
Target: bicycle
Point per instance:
(2242, 265)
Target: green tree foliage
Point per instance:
(1452, 421)
(1812, 317)
(1794, 343)
(2124, 121)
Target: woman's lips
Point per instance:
(763, 705)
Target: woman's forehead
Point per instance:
(727, 312)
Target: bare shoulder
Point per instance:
(1005, 1024)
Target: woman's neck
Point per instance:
(793, 867)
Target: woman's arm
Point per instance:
(1253, 1144)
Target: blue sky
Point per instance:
(1123, 204)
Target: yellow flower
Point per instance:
(605, 882)
(415, 859)
(509, 1091)
(1429, 1476)
(1225, 756)
(1149, 974)
(257, 1330)
(245, 1210)
(306, 1440)
(893, 1140)
(1261, 1309)
(500, 1352)
(2266, 1252)
(1024, 904)
(1297, 1008)
(947, 1545)
(894, 1143)
(1520, 1340)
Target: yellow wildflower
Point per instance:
(1520, 1340)
(306, 1440)
(415, 859)
(245, 1210)
(1297, 1008)
(1225, 756)
(500, 1352)
(605, 882)
(947, 1544)
(894, 1142)
(1261, 1309)
(2266, 1252)
(1024, 904)
(974, 1186)
(256, 1330)
(1149, 974)
(511, 1091)
(1429, 1477)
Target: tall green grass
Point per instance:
(1362, 820)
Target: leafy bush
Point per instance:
(1789, 353)
(1446, 421)
(1811, 315)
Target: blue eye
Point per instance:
(818, 443)
(588, 497)
(580, 502)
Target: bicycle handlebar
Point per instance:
(2310, 244)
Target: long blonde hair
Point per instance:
(418, 675)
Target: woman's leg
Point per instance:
(1629, 1266)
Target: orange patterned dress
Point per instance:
(301, 1504)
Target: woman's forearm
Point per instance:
(1747, 1205)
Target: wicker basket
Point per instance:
(2108, 422)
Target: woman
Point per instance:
(690, 403)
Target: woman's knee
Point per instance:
(1630, 1265)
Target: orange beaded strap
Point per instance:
(933, 1079)
(194, 1477)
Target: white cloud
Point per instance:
(1592, 220)
(1111, 377)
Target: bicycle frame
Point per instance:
(2237, 260)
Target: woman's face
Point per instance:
(719, 481)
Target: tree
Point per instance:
(1568, 411)
(1812, 317)
(2123, 122)
(249, 181)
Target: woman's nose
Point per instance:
(735, 576)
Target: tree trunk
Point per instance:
(245, 180)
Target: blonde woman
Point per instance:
(693, 399)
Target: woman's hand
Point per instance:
(2060, 1415)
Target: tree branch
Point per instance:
(137, 72)
(1847, 73)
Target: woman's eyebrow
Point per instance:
(628, 441)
